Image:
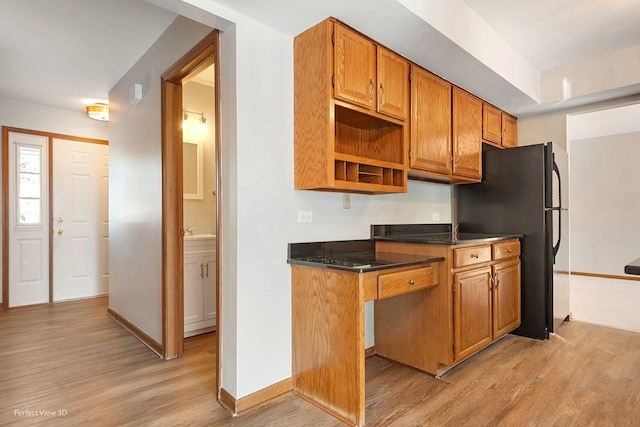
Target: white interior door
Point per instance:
(80, 219)
(28, 219)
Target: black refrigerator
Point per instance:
(524, 190)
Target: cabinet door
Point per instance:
(491, 124)
(506, 297)
(467, 134)
(393, 84)
(355, 64)
(472, 311)
(509, 131)
(209, 291)
(430, 122)
(193, 287)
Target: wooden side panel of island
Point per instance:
(328, 340)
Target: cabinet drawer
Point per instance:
(506, 250)
(392, 284)
(471, 255)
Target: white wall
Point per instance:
(135, 191)
(26, 115)
(552, 126)
(605, 203)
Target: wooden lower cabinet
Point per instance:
(472, 310)
(480, 304)
(486, 306)
(506, 297)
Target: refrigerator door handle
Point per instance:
(556, 247)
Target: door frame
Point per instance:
(5, 200)
(205, 53)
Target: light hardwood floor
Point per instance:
(71, 357)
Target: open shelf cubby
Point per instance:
(368, 174)
(366, 136)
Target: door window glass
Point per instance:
(29, 185)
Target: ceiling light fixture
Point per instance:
(98, 111)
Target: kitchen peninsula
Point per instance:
(633, 267)
(408, 276)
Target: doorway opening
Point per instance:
(202, 60)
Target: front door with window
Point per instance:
(28, 219)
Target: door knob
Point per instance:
(60, 231)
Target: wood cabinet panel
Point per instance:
(506, 297)
(498, 128)
(393, 84)
(467, 134)
(393, 284)
(504, 250)
(430, 122)
(463, 257)
(355, 65)
(510, 131)
(472, 308)
(328, 340)
(491, 124)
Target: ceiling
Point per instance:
(551, 33)
(63, 52)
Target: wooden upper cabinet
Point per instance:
(341, 142)
(467, 134)
(498, 128)
(491, 124)
(354, 67)
(430, 122)
(393, 84)
(509, 131)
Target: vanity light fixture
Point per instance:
(98, 111)
(185, 119)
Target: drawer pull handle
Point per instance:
(474, 256)
(411, 282)
(509, 250)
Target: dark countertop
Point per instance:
(357, 256)
(360, 256)
(434, 234)
(633, 267)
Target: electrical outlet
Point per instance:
(305, 216)
(346, 201)
(436, 217)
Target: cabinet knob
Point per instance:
(509, 250)
(474, 256)
(411, 282)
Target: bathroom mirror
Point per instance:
(192, 170)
